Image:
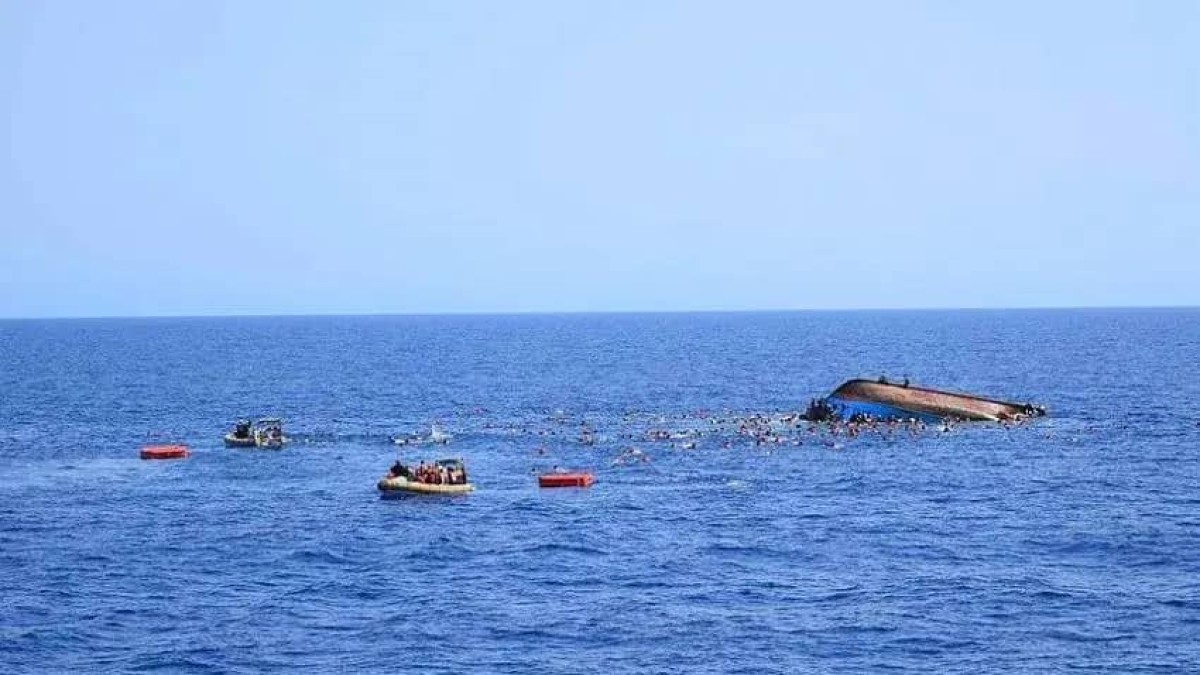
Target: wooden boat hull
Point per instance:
(398, 487)
(885, 400)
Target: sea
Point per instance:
(1070, 543)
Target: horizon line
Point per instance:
(618, 312)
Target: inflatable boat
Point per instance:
(397, 486)
(400, 480)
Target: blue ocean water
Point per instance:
(1072, 543)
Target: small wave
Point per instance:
(1077, 636)
(837, 595)
(1050, 594)
(554, 547)
(728, 547)
(1179, 602)
(318, 557)
(174, 662)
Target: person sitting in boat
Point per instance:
(241, 429)
(398, 470)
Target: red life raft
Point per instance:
(164, 452)
(555, 480)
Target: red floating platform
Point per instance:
(164, 452)
(553, 480)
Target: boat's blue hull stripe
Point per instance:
(847, 409)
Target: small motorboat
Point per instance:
(268, 434)
(242, 435)
(883, 400)
(578, 479)
(438, 435)
(402, 480)
(164, 452)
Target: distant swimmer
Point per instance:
(630, 455)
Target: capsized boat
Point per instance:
(886, 400)
(402, 480)
(242, 435)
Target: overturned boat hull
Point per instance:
(883, 400)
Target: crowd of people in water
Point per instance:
(633, 436)
(687, 431)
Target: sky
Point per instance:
(207, 158)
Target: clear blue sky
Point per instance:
(327, 157)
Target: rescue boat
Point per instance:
(242, 435)
(268, 433)
(396, 486)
